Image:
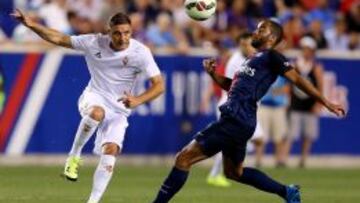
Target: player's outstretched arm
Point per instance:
(309, 88)
(47, 34)
(223, 82)
(157, 87)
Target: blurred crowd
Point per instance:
(334, 24)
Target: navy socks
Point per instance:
(177, 178)
(261, 181)
(172, 185)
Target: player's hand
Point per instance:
(129, 100)
(209, 65)
(18, 15)
(337, 109)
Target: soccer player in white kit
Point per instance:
(114, 61)
(234, 64)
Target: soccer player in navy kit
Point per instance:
(238, 118)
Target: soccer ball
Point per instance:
(200, 9)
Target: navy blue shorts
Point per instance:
(228, 136)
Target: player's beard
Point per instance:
(257, 43)
(124, 43)
(120, 45)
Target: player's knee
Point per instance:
(233, 174)
(182, 161)
(110, 149)
(97, 113)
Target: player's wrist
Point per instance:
(30, 24)
(139, 100)
(327, 104)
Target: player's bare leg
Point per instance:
(104, 171)
(259, 180)
(86, 129)
(187, 157)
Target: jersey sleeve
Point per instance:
(149, 66)
(82, 42)
(230, 68)
(279, 63)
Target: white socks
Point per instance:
(86, 128)
(102, 177)
(104, 170)
(217, 167)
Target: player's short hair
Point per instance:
(119, 19)
(245, 35)
(277, 30)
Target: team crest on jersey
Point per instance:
(258, 54)
(98, 54)
(125, 60)
(247, 70)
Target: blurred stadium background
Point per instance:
(40, 86)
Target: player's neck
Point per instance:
(265, 47)
(269, 46)
(245, 54)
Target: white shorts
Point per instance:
(112, 128)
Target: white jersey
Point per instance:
(114, 72)
(233, 65)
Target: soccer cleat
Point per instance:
(293, 194)
(71, 168)
(218, 181)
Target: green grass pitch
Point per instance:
(140, 184)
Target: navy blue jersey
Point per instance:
(251, 83)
